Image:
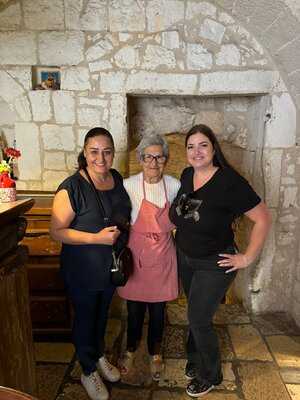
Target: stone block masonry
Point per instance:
(109, 50)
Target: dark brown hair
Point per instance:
(93, 133)
(219, 159)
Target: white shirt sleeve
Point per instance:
(154, 192)
(173, 186)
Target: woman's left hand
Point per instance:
(261, 218)
(236, 261)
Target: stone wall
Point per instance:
(108, 50)
(229, 117)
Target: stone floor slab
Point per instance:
(228, 372)
(76, 371)
(290, 375)
(227, 385)
(261, 381)
(73, 391)
(248, 344)
(169, 395)
(177, 314)
(294, 391)
(173, 375)
(275, 324)
(174, 342)
(53, 352)
(286, 350)
(250, 372)
(49, 378)
(225, 343)
(213, 395)
(113, 331)
(139, 374)
(229, 382)
(117, 307)
(231, 314)
(130, 394)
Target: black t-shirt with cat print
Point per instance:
(204, 217)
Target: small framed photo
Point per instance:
(47, 78)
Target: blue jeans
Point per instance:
(204, 284)
(90, 320)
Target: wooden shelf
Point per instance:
(51, 312)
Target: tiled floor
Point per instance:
(260, 355)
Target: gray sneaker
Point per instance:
(94, 386)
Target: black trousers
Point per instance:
(205, 284)
(135, 320)
(90, 320)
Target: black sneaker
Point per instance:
(197, 388)
(190, 371)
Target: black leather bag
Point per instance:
(122, 267)
(122, 262)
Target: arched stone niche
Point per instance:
(110, 50)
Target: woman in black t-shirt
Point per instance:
(211, 196)
(86, 254)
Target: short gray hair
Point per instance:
(152, 140)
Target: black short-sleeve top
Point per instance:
(224, 197)
(88, 266)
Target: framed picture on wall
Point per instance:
(47, 78)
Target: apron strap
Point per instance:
(165, 189)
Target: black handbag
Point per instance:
(122, 263)
(121, 267)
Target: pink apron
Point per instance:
(154, 277)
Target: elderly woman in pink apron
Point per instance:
(154, 280)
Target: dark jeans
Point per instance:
(205, 284)
(90, 319)
(136, 313)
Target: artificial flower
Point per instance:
(4, 167)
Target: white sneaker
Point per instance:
(156, 366)
(94, 386)
(108, 371)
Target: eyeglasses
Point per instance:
(148, 158)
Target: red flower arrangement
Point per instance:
(6, 165)
(11, 153)
(7, 183)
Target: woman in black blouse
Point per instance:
(86, 254)
(211, 196)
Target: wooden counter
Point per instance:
(12, 210)
(51, 312)
(17, 367)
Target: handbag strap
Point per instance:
(99, 200)
(101, 208)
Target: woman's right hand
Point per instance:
(108, 235)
